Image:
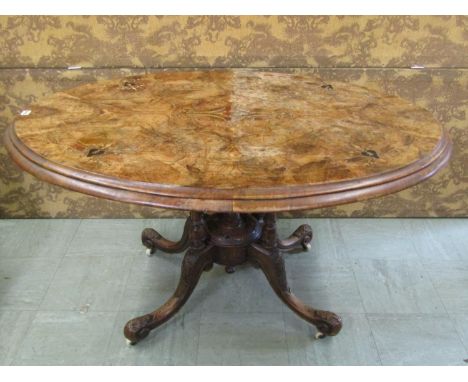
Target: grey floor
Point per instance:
(67, 287)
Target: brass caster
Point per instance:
(229, 269)
(319, 335)
(307, 246)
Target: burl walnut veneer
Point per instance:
(233, 147)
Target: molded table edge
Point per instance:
(231, 205)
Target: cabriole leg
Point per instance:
(299, 239)
(193, 265)
(272, 264)
(268, 256)
(153, 240)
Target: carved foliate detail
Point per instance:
(304, 232)
(327, 323)
(300, 239)
(198, 235)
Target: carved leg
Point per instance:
(300, 239)
(194, 263)
(152, 240)
(272, 264)
(268, 256)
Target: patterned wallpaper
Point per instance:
(374, 51)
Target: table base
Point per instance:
(230, 239)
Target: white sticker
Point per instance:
(25, 112)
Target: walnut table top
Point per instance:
(228, 141)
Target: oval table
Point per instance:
(233, 147)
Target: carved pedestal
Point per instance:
(230, 240)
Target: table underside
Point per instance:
(230, 239)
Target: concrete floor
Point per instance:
(67, 287)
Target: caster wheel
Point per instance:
(149, 252)
(130, 343)
(307, 246)
(319, 335)
(230, 269)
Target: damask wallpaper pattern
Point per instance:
(35, 52)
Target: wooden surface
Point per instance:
(231, 140)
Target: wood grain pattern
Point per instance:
(372, 51)
(229, 140)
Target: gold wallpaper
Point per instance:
(374, 51)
